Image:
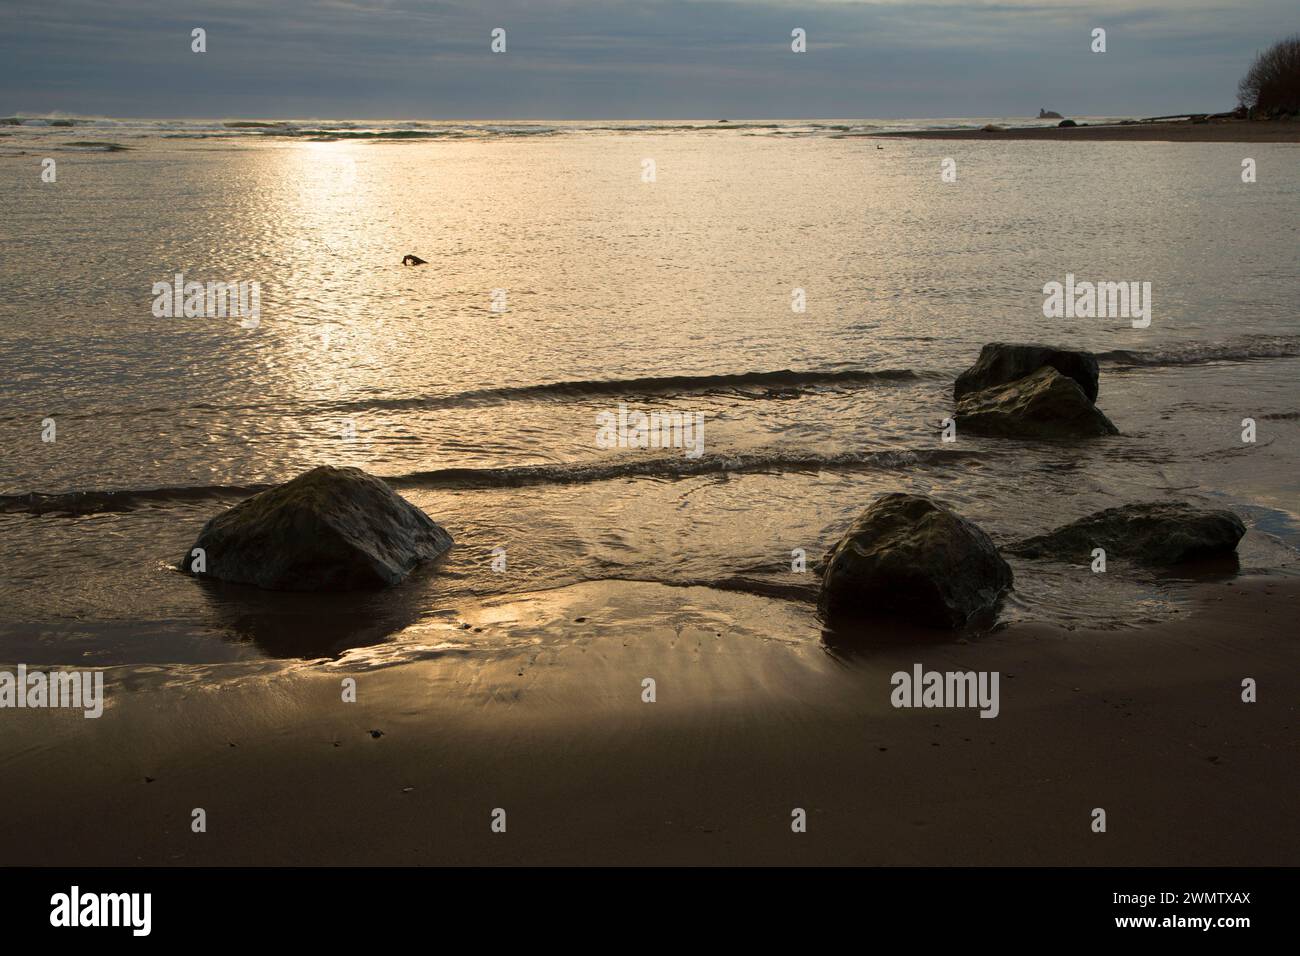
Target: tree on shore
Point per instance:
(1272, 84)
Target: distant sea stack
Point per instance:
(1047, 114)
(330, 529)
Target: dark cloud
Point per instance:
(644, 59)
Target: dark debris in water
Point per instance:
(93, 144)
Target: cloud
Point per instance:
(666, 58)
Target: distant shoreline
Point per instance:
(1173, 131)
(1217, 128)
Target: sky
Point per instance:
(629, 59)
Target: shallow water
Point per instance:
(666, 296)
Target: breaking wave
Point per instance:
(776, 384)
(518, 476)
(1198, 353)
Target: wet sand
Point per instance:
(755, 715)
(1172, 131)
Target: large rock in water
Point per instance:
(330, 529)
(1003, 362)
(1044, 404)
(910, 556)
(1159, 533)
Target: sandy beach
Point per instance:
(1171, 131)
(755, 715)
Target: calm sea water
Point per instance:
(671, 295)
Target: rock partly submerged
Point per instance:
(913, 557)
(329, 529)
(1003, 362)
(1157, 533)
(1043, 404)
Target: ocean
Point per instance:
(803, 291)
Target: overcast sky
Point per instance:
(574, 59)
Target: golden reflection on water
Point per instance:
(611, 278)
(605, 277)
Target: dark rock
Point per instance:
(911, 556)
(413, 260)
(1158, 533)
(1066, 124)
(1045, 404)
(330, 529)
(1002, 362)
(1048, 114)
